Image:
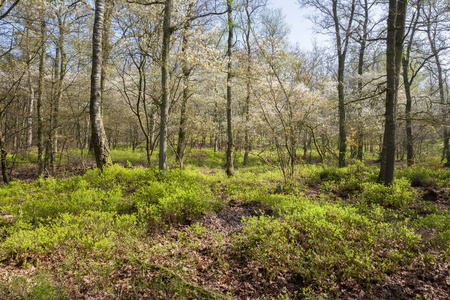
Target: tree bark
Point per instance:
(362, 52)
(40, 117)
(164, 107)
(408, 123)
(247, 144)
(3, 154)
(444, 105)
(230, 146)
(342, 46)
(396, 28)
(99, 140)
(106, 47)
(186, 95)
(407, 82)
(59, 77)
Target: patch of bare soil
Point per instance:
(438, 196)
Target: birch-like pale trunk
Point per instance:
(99, 140)
(164, 107)
(230, 146)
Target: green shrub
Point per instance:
(92, 232)
(272, 241)
(317, 241)
(397, 195)
(171, 202)
(417, 175)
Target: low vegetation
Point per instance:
(134, 233)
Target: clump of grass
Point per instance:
(40, 287)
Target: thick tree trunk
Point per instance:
(167, 31)
(230, 146)
(396, 29)
(99, 140)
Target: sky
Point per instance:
(301, 27)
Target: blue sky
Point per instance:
(301, 28)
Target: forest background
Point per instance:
(231, 123)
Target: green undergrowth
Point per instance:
(96, 210)
(358, 229)
(425, 175)
(38, 287)
(133, 232)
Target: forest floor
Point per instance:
(238, 248)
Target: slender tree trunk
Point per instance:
(167, 32)
(247, 144)
(3, 155)
(408, 123)
(40, 92)
(59, 77)
(106, 47)
(99, 140)
(362, 51)
(396, 29)
(444, 105)
(407, 82)
(31, 101)
(30, 110)
(186, 95)
(341, 109)
(230, 146)
(342, 46)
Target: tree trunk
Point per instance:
(167, 31)
(31, 101)
(362, 51)
(106, 48)
(408, 125)
(396, 27)
(247, 144)
(230, 146)
(59, 77)
(3, 155)
(407, 82)
(99, 140)
(186, 95)
(40, 117)
(342, 46)
(342, 122)
(30, 111)
(444, 105)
